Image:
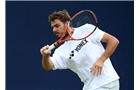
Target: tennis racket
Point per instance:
(79, 19)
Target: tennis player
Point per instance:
(87, 58)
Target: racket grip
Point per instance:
(50, 48)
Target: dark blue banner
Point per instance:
(28, 30)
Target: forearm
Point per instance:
(110, 48)
(47, 63)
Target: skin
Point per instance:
(58, 29)
(96, 69)
(112, 44)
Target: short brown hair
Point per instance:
(63, 16)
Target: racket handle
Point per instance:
(50, 48)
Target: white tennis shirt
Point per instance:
(79, 56)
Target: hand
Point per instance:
(96, 69)
(45, 53)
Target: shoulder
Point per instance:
(87, 25)
(62, 48)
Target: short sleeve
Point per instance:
(59, 61)
(97, 34)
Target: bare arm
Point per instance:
(112, 43)
(47, 64)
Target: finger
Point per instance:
(41, 50)
(98, 71)
(44, 48)
(46, 51)
(92, 68)
(95, 70)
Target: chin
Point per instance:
(58, 36)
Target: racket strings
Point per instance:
(82, 19)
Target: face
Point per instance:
(58, 27)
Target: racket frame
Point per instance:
(61, 40)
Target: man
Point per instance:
(90, 61)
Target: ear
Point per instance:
(67, 23)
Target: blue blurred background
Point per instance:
(27, 30)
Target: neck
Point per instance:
(71, 30)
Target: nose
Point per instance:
(54, 29)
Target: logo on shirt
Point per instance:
(71, 54)
(78, 48)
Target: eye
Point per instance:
(57, 25)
